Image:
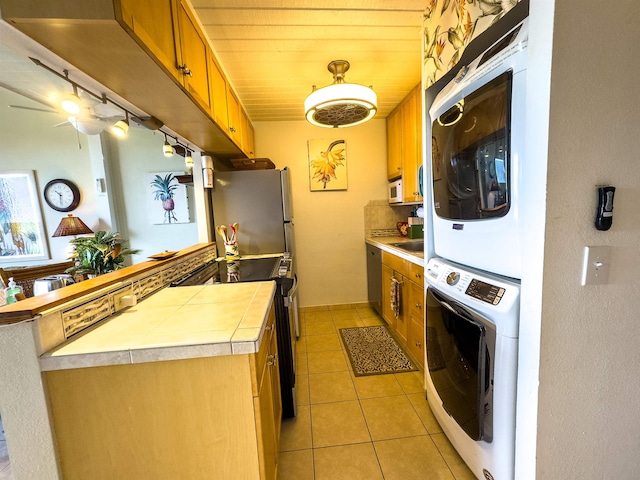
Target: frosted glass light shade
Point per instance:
(341, 105)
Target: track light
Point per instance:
(121, 127)
(166, 148)
(71, 102)
(188, 161)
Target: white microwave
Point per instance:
(395, 191)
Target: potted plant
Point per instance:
(102, 253)
(164, 190)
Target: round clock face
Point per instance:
(61, 195)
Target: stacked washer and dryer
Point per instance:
(473, 280)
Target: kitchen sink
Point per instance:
(410, 246)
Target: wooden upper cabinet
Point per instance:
(247, 135)
(394, 144)
(235, 117)
(404, 144)
(218, 89)
(411, 160)
(193, 56)
(153, 22)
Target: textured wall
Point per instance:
(329, 226)
(588, 416)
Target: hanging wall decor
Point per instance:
(21, 226)
(327, 165)
(167, 198)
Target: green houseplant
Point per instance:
(102, 253)
(164, 191)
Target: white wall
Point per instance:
(329, 226)
(28, 141)
(131, 160)
(589, 381)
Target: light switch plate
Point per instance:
(595, 267)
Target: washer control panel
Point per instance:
(485, 291)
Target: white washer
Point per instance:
(472, 353)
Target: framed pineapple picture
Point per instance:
(167, 199)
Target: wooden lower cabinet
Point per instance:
(408, 326)
(202, 418)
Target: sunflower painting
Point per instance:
(327, 165)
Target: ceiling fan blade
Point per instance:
(22, 107)
(63, 124)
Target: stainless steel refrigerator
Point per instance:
(260, 202)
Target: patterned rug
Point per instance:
(373, 351)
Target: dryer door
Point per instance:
(459, 361)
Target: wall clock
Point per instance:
(62, 195)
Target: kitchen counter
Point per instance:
(174, 323)
(384, 243)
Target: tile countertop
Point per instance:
(174, 323)
(384, 243)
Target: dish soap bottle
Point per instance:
(11, 291)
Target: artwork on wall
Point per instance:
(22, 234)
(327, 165)
(449, 26)
(167, 198)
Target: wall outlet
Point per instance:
(124, 299)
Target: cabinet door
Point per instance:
(394, 144)
(153, 22)
(403, 319)
(193, 57)
(415, 340)
(269, 414)
(410, 165)
(247, 135)
(415, 334)
(387, 312)
(235, 120)
(218, 88)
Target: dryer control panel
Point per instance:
(485, 291)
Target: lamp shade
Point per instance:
(340, 104)
(71, 225)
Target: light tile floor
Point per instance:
(5, 466)
(351, 428)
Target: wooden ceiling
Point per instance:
(273, 51)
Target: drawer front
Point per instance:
(416, 302)
(415, 340)
(263, 357)
(416, 274)
(396, 263)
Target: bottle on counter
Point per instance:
(12, 291)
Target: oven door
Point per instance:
(460, 352)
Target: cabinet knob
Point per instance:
(185, 70)
(418, 344)
(273, 360)
(232, 129)
(418, 306)
(416, 193)
(418, 275)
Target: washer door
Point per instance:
(459, 363)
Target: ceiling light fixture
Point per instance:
(340, 104)
(121, 127)
(167, 149)
(71, 102)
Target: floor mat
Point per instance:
(373, 351)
